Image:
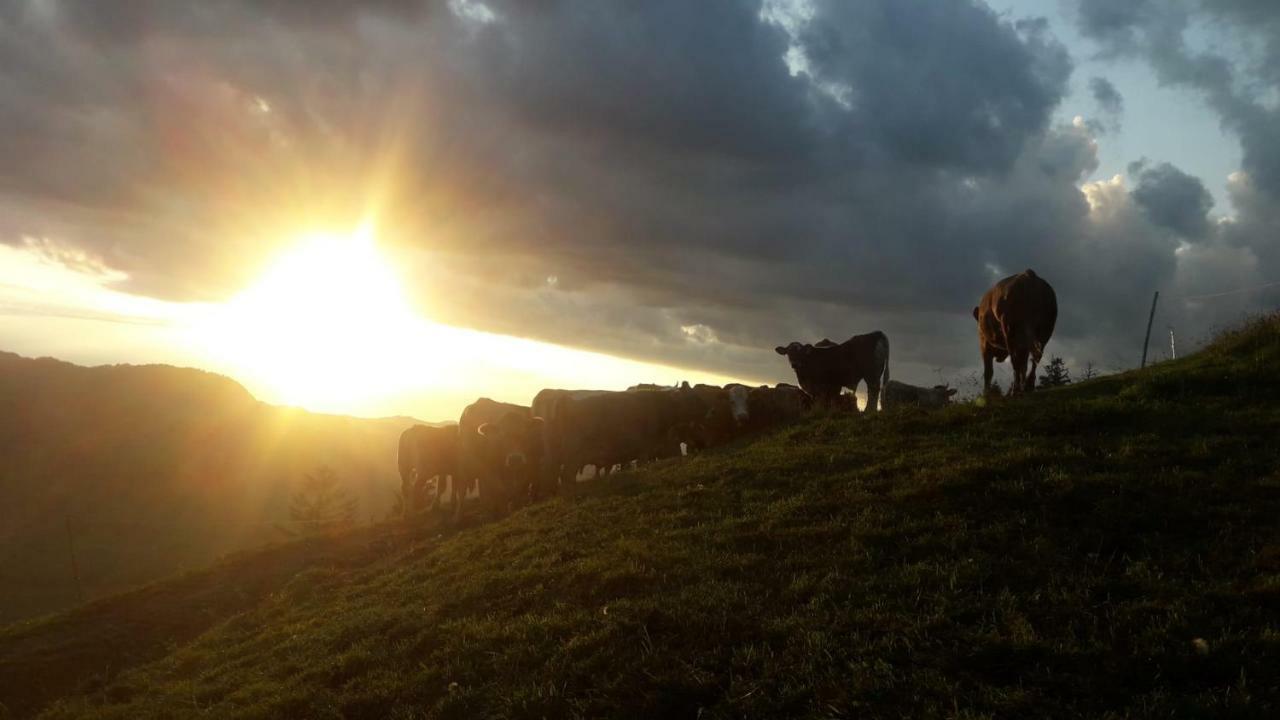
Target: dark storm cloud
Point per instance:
(685, 182)
(1174, 200)
(1109, 99)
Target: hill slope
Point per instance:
(1111, 548)
(153, 468)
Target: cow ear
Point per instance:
(780, 350)
(951, 391)
(975, 312)
(488, 429)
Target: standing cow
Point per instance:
(500, 448)
(547, 404)
(426, 452)
(826, 368)
(1015, 320)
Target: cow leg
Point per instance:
(568, 474)
(407, 494)
(445, 488)
(1018, 359)
(1030, 383)
(873, 397)
(435, 498)
(408, 490)
(988, 370)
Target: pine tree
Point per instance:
(321, 504)
(1055, 374)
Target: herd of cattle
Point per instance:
(513, 454)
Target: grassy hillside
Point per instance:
(1110, 549)
(154, 468)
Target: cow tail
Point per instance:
(884, 380)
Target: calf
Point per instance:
(823, 370)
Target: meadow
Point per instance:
(1107, 549)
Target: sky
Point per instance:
(397, 207)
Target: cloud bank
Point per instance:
(692, 183)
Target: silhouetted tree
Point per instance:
(1090, 371)
(321, 504)
(1055, 374)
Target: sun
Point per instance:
(327, 326)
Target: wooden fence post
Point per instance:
(1146, 339)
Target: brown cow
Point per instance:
(1015, 320)
(495, 462)
(426, 453)
(824, 369)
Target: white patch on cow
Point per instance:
(738, 403)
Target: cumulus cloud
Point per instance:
(1173, 199)
(703, 181)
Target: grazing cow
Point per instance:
(825, 368)
(709, 419)
(1015, 320)
(425, 453)
(758, 408)
(770, 406)
(898, 394)
(612, 428)
(500, 447)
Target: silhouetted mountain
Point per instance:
(149, 469)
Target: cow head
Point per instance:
(814, 366)
(797, 353)
(943, 393)
(739, 405)
(515, 441)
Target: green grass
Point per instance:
(1110, 549)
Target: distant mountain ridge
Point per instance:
(147, 469)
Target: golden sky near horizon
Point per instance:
(326, 326)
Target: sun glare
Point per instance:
(328, 327)
(323, 324)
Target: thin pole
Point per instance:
(1173, 345)
(75, 566)
(1147, 338)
